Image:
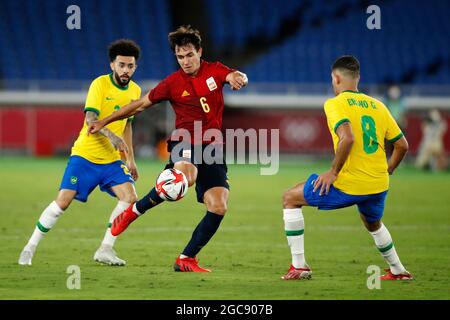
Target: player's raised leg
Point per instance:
(216, 204)
(126, 194)
(46, 221)
(385, 245)
(150, 200)
(294, 226)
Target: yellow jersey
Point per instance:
(104, 97)
(365, 170)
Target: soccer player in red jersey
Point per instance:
(195, 93)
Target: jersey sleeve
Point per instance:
(393, 132)
(94, 97)
(222, 71)
(161, 92)
(335, 114)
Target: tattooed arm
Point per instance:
(115, 140)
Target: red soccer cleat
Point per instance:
(123, 220)
(188, 265)
(297, 273)
(390, 276)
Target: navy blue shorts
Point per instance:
(371, 205)
(210, 175)
(83, 176)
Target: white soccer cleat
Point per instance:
(26, 256)
(107, 255)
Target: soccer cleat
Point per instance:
(26, 256)
(298, 273)
(188, 265)
(107, 255)
(123, 220)
(390, 276)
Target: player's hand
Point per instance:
(324, 182)
(390, 171)
(237, 80)
(133, 169)
(95, 126)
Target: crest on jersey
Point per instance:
(211, 83)
(187, 154)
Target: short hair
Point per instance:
(185, 35)
(123, 47)
(347, 64)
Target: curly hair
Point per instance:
(123, 47)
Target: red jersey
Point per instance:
(195, 98)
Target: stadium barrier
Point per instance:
(45, 123)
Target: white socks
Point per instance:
(51, 214)
(46, 221)
(383, 241)
(294, 226)
(109, 239)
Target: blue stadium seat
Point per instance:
(41, 47)
(407, 42)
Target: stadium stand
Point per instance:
(39, 27)
(411, 47)
(300, 35)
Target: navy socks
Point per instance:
(149, 201)
(203, 233)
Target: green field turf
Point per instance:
(248, 254)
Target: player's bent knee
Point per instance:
(191, 181)
(218, 209)
(129, 198)
(64, 198)
(288, 198)
(63, 204)
(189, 170)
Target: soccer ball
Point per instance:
(171, 185)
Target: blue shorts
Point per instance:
(83, 176)
(371, 206)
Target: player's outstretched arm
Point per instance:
(128, 110)
(346, 139)
(237, 80)
(400, 149)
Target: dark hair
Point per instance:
(185, 35)
(123, 47)
(348, 64)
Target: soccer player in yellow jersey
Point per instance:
(359, 174)
(96, 158)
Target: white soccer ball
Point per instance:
(171, 185)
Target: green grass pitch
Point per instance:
(248, 254)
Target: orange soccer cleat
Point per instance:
(188, 265)
(390, 276)
(123, 220)
(297, 273)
